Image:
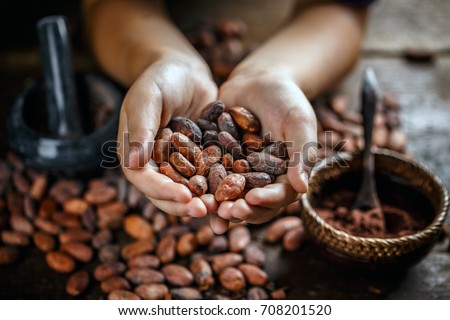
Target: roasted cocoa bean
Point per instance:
(216, 174)
(152, 291)
(279, 227)
(212, 111)
(185, 146)
(60, 262)
(187, 127)
(224, 260)
(108, 269)
(254, 255)
(166, 169)
(256, 179)
(137, 248)
(144, 275)
(241, 166)
(161, 149)
(185, 294)
(252, 143)
(239, 238)
(114, 283)
(43, 241)
(21, 224)
(77, 283)
(230, 187)
(182, 165)
(245, 119)
(264, 162)
(232, 279)
(166, 249)
(294, 238)
(227, 161)
(206, 159)
(226, 124)
(253, 274)
(14, 238)
(187, 244)
(137, 227)
(144, 261)
(8, 255)
(78, 250)
(122, 295)
(177, 275)
(231, 144)
(198, 185)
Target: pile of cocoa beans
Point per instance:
(142, 253)
(222, 154)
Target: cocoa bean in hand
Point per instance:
(185, 146)
(77, 283)
(216, 174)
(245, 119)
(277, 149)
(152, 291)
(241, 166)
(207, 125)
(227, 161)
(212, 111)
(256, 179)
(182, 165)
(60, 262)
(230, 187)
(206, 159)
(264, 162)
(122, 295)
(252, 142)
(187, 127)
(137, 227)
(161, 149)
(198, 185)
(232, 279)
(177, 275)
(166, 169)
(226, 123)
(231, 144)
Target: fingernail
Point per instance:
(305, 178)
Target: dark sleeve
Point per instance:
(358, 3)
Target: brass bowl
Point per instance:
(375, 253)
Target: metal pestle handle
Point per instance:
(64, 119)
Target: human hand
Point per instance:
(166, 89)
(287, 115)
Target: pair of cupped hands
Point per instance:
(177, 87)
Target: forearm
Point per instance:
(129, 35)
(316, 49)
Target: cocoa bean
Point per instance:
(75, 206)
(182, 165)
(66, 221)
(60, 262)
(75, 234)
(64, 190)
(231, 144)
(279, 228)
(185, 146)
(239, 238)
(232, 279)
(8, 255)
(252, 143)
(294, 238)
(207, 125)
(206, 159)
(278, 294)
(137, 227)
(122, 295)
(111, 215)
(14, 238)
(226, 124)
(47, 207)
(177, 275)
(253, 274)
(43, 241)
(212, 111)
(166, 169)
(152, 291)
(144, 275)
(202, 272)
(216, 174)
(256, 179)
(38, 187)
(20, 182)
(159, 221)
(109, 252)
(185, 294)
(137, 248)
(144, 261)
(114, 283)
(101, 238)
(227, 161)
(204, 235)
(218, 244)
(161, 149)
(78, 250)
(230, 187)
(254, 255)
(29, 208)
(211, 138)
(277, 149)
(241, 166)
(100, 194)
(264, 162)
(14, 202)
(21, 224)
(15, 161)
(165, 249)
(108, 269)
(245, 119)
(89, 220)
(257, 293)
(47, 226)
(187, 244)
(224, 260)
(77, 283)
(198, 185)
(187, 127)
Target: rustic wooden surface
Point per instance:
(424, 91)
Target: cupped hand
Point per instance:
(167, 88)
(285, 114)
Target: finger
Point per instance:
(224, 210)
(196, 208)
(171, 207)
(252, 214)
(273, 196)
(218, 225)
(210, 202)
